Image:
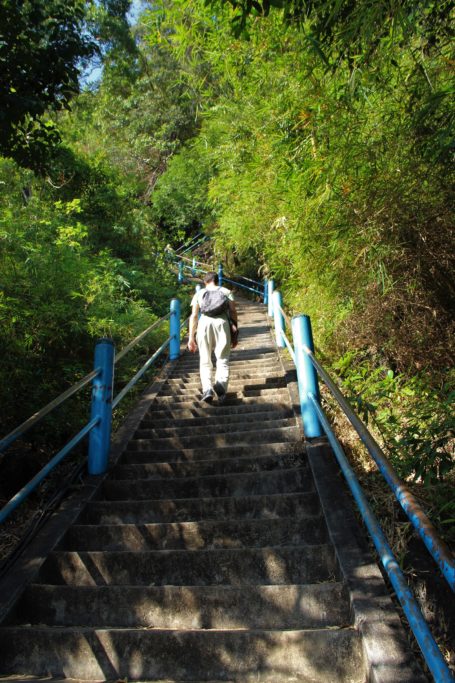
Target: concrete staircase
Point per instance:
(203, 556)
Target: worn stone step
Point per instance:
(247, 374)
(174, 443)
(215, 420)
(201, 409)
(262, 656)
(196, 454)
(234, 533)
(192, 389)
(243, 484)
(299, 505)
(233, 398)
(266, 353)
(153, 432)
(244, 388)
(187, 607)
(228, 566)
(248, 363)
(165, 470)
(248, 377)
(256, 373)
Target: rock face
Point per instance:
(204, 556)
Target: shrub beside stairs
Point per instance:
(219, 547)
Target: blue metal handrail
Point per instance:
(435, 545)
(289, 346)
(240, 284)
(23, 428)
(248, 279)
(38, 478)
(99, 426)
(206, 238)
(136, 340)
(185, 244)
(226, 279)
(307, 367)
(140, 372)
(433, 657)
(193, 262)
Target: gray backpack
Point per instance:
(214, 303)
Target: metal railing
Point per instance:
(192, 267)
(315, 423)
(99, 427)
(193, 244)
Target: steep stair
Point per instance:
(204, 555)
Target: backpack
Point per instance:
(214, 303)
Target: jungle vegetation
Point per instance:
(312, 140)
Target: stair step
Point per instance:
(256, 353)
(235, 385)
(245, 483)
(300, 505)
(249, 362)
(262, 656)
(234, 533)
(164, 470)
(187, 607)
(218, 441)
(231, 566)
(196, 454)
(233, 398)
(238, 427)
(201, 409)
(248, 373)
(208, 560)
(215, 420)
(180, 380)
(274, 400)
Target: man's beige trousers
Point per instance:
(213, 334)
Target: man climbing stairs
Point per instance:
(204, 554)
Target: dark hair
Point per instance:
(211, 277)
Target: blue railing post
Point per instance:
(180, 275)
(306, 375)
(193, 268)
(220, 274)
(266, 291)
(270, 289)
(102, 390)
(174, 330)
(278, 319)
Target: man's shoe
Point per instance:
(208, 396)
(220, 392)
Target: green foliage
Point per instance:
(41, 44)
(346, 28)
(330, 178)
(180, 194)
(60, 290)
(414, 420)
(327, 144)
(140, 116)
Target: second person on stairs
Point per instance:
(211, 332)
